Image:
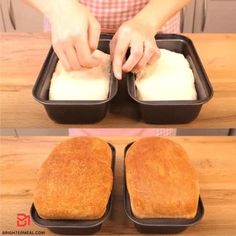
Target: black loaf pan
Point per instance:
(75, 227)
(162, 225)
(175, 112)
(72, 112)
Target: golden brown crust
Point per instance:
(75, 181)
(161, 180)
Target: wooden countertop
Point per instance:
(22, 55)
(213, 157)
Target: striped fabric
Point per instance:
(112, 13)
(123, 132)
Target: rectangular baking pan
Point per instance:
(75, 227)
(162, 225)
(175, 112)
(72, 112)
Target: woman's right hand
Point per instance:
(75, 34)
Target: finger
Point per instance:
(136, 53)
(94, 34)
(140, 67)
(112, 46)
(120, 49)
(72, 57)
(149, 51)
(62, 57)
(155, 57)
(84, 53)
(151, 54)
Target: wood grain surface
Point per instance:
(213, 157)
(22, 55)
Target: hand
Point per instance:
(143, 49)
(75, 35)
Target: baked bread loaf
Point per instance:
(75, 182)
(169, 78)
(161, 182)
(87, 84)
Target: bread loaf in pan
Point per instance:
(75, 182)
(160, 179)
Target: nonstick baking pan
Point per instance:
(75, 227)
(72, 112)
(175, 112)
(161, 225)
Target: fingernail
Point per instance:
(118, 75)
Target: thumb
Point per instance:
(94, 31)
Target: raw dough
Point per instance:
(89, 84)
(169, 78)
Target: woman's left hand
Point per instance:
(140, 38)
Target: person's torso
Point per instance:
(112, 13)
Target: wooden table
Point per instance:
(213, 157)
(22, 56)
